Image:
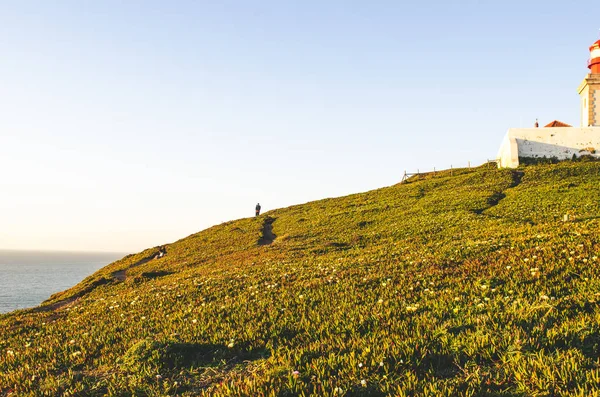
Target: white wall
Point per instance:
(585, 119)
(595, 109)
(558, 142)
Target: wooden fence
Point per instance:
(407, 175)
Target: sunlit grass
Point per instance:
(462, 284)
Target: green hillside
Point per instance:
(462, 283)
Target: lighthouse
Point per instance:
(557, 140)
(589, 90)
(594, 62)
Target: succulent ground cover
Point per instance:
(467, 282)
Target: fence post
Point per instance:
(450, 169)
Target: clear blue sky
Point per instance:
(128, 124)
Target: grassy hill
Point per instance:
(467, 283)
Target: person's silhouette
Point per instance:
(258, 209)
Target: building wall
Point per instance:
(595, 109)
(589, 90)
(559, 142)
(585, 107)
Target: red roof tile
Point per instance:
(557, 123)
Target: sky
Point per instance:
(126, 125)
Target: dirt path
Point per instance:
(495, 198)
(517, 176)
(118, 276)
(121, 275)
(267, 233)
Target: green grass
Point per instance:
(462, 284)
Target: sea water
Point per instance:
(27, 278)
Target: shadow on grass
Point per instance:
(169, 356)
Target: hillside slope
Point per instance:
(466, 283)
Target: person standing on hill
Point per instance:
(258, 209)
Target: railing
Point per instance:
(451, 170)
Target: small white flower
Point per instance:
(363, 382)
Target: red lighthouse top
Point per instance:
(594, 62)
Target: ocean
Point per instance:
(27, 278)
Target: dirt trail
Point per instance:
(496, 197)
(121, 275)
(118, 276)
(517, 176)
(267, 234)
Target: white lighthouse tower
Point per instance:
(589, 90)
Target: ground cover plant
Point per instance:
(460, 283)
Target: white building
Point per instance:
(560, 140)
